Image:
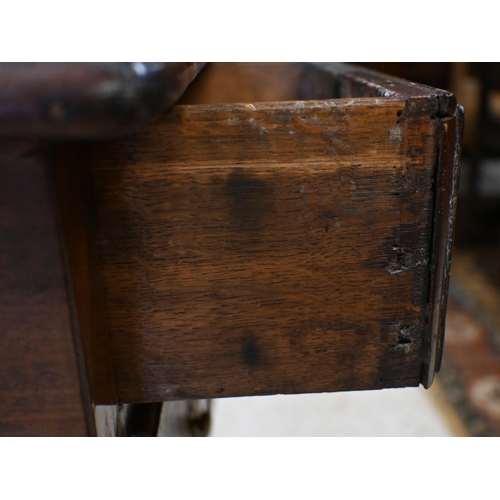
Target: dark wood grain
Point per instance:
(226, 249)
(43, 384)
(263, 248)
(441, 107)
(266, 247)
(75, 199)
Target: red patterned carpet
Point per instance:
(470, 372)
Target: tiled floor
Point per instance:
(391, 412)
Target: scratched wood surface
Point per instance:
(267, 248)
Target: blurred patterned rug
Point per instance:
(469, 379)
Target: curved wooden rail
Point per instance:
(87, 100)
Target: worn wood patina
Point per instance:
(276, 247)
(285, 228)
